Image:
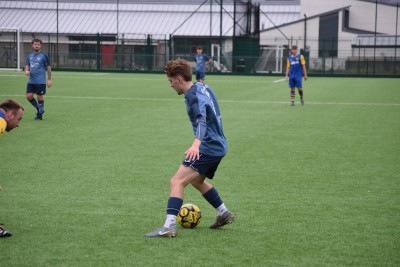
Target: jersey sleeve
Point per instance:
(206, 58)
(302, 60)
(3, 126)
(47, 60)
(198, 115)
(27, 61)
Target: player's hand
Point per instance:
(49, 83)
(286, 78)
(27, 72)
(305, 77)
(193, 153)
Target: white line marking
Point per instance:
(221, 100)
(281, 80)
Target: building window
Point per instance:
(328, 35)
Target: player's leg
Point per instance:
(292, 91)
(183, 177)
(299, 85)
(301, 93)
(200, 76)
(3, 232)
(292, 96)
(40, 92)
(224, 216)
(30, 89)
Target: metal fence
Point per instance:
(132, 52)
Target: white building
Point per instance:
(339, 33)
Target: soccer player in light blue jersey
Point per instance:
(11, 113)
(37, 64)
(201, 62)
(296, 69)
(204, 155)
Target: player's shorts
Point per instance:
(206, 165)
(39, 89)
(200, 75)
(296, 82)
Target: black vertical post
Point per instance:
(220, 25)
(305, 32)
(234, 18)
(376, 26)
(98, 65)
(395, 43)
(210, 18)
(58, 57)
(170, 46)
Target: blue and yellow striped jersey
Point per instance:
(3, 123)
(295, 64)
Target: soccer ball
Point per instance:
(189, 216)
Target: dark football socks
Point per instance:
(34, 103)
(41, 106)
(173, 207)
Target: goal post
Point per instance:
(10, 49)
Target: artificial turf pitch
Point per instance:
(311, 186)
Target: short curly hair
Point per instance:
(178, 67)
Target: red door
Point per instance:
(107, 55)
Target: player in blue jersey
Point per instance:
(37, 64)
(296, 69)
(205, 154)
(11, 113)
(201, 62)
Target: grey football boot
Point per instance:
(164, 232)
(224, 219)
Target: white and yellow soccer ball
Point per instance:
(189, 216)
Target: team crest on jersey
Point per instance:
(38, 58)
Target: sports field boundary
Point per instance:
(221, 100)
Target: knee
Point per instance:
(29, 97)
(174, 182)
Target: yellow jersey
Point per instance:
(3, 123)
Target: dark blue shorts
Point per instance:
(39, 89)
(200, 75)
(206, 165)
(296, 82)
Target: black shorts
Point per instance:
(200, 75)
(206, 165)
(39, 89)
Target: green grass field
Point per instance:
(317, 185)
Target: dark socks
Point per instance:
(301, 93)
(174, 205)
(41, 106)
(34, 103)
(213, 197)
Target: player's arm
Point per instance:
(287, 70)
(27, 67)
(303, 65)
(193, 152)
(49, 82)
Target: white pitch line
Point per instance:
(221, 101)
(281, 80)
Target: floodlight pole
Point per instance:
(117, 20)
(220, 24)
(395, 43)
(18, 49)
(210, 18)
(57, 38)
(376, 26)
(305, 31)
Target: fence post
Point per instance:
(98, 50)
